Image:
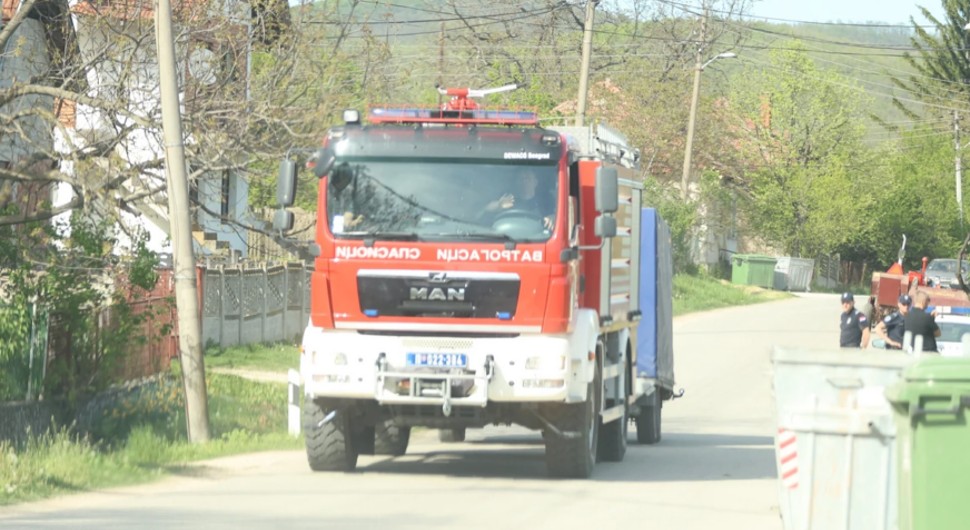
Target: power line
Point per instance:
(805, 22)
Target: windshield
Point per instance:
(447, 200)
(946, 265)
(953, 331)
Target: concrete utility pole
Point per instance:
(186, 298)
(584, 69)
(959, 165)
(695, 95)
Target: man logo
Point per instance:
(450, 294)
(437, 277)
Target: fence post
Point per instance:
(30, 346)
(293, 403)
(264, 283)
(222, 307)
(286, 301)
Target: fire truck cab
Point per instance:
(471, 268)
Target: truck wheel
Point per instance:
(330, 446)
(452, 435)
(612, 443)
(575, 456)
(391, 439)
(648, 421)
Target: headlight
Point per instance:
(545, 362)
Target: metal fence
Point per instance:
(254, 305)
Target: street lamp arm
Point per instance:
(725, 55)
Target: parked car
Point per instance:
(952, 330)
(942, 272)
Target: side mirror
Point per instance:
(604, 226)
(286, 184)
(606, 190)
(323, 162)
(283, 220)
(341, 176)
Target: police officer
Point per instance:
(854, 324)
(892, 327)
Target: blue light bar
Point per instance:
(370, 312)
(503, 315)
(949, 310)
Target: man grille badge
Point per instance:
(438, 277)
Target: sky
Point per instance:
(886, 11)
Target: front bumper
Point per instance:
(524, 368)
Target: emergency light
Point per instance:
(949, 310)
(449, 116)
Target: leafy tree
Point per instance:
(915, 198)
(805, 175)
(72, 280)
(941, 60)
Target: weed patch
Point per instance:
(142, 436)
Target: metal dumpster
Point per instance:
(794, 274)
(834, 443)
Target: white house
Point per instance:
(129, 76)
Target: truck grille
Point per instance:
(438, 294)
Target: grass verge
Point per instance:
(266, 357)
(702, 293)
(142, 437)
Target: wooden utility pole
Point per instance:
(180, 224)
(584, 68)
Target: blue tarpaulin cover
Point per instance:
(655, 346)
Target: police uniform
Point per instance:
(895, 323)
(895, 328)
(852, 323)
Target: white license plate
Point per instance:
(438, 360)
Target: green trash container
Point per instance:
(753, 269)
(930, 406)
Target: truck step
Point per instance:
(612, 413)
(612, 371)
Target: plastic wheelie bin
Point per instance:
(930, 406)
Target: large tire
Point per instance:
(329, 447)
(648, 421)
(575, 457)
(452, 435)
(391, 439)
(612, 442)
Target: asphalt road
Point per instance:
(714, 468)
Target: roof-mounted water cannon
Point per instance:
(460, 96)
(461, 109)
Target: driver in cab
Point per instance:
(523, 198)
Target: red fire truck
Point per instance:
(473, 268)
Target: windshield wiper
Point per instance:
(498, 237)
(370, 237)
